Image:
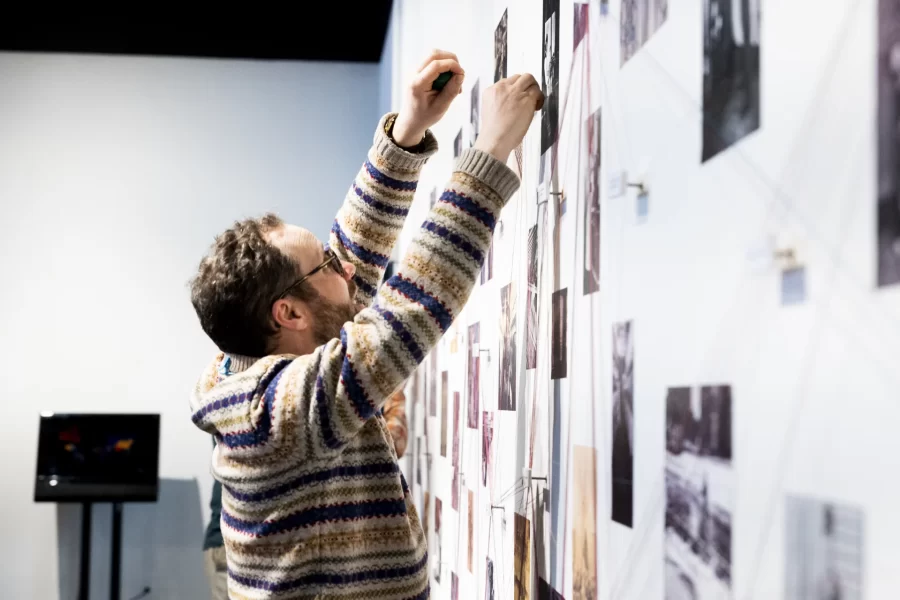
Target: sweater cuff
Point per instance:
(495, 174)
(397, 157)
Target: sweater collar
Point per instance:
(235, 363)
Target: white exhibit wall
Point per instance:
(115, 175)
(813, 386)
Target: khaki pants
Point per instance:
(216, 572)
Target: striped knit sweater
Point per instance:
(313, 503)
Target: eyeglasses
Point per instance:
(331, 260)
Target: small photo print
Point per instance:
(471, 529)
(623, 424)
(474, 119)
(487, 269)
(591, 277)
(508, 348)
(432, 383)
(824, 550)
(455, 460)
(888, 123)
(558, 359)
(522, 566)
(500, 48)
(731, 103)
(584, 533)
(454, 586)
(457, 144)
(550, 75)
(474, 363)
(437, 533)
(793, 286)
(699, 493)
(489, 579)
(444, 414)
(639, 21)
(581, 23)
(433, 199)
(487, 437)
(531, 310)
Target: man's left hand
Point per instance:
(423, 106)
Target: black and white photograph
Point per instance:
(489, 580)
(474, 114)
(823, 551)
(433, 199)
(487, 437)
(550, 75)
(888, 142)
(508, 347)
(623, 424)
(591, 280)
(531, 308)
(457, 144)
(640, 19)
(560, 347)
(487, 269)
(581, 23)
(474, 373)
(731, 105)
(699, 493)
(500, 48)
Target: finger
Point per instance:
(436, 54)
(424, 79)
(538, 96)
(512, 79)
(455, 83)
(524, 82)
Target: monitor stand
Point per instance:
(115, 558)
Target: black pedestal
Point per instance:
(115, 567)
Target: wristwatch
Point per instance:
(389, 131)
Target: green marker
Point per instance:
(441, 80)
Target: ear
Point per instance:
(292, 314)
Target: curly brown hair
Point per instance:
(236, 284)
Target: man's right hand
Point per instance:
(507, 110)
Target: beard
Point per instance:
(330, 318)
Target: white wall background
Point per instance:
(115, 174)
(814, 387)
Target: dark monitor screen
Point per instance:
(97, 457)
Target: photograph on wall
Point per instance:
(888, 123)
(474, 363)
(522, 558)
(584, 531)
(454, 500)
(558, 358)
(487, 269)
(454, 586)
(471, 529)
(639, 21)
(500, 48)
(433, 199)
(592, 207)
(474, 119)
(508, 347)
(699, 493)
(550, 75)
(623, 424)
(457, 144)
(487, 437)
(545, 592)
(419, 458)
(731, 104)
(823, 553)
(437, 543)
(444, 414)
(581, 23)
(489, 579)
(531, 308)
(432, 383)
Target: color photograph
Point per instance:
(487, 437)
(444, 414)
(623, 424)
(558, 359)
(508, 348)
(699, 493)
(639, 20)
(522, 560)
(584, 532)
(550, 75)
(531, 310)
(730, 73)
(591, 280)
(474, 364)
(500, 48)
(437, 543)
(824, 550)
(888, 268)
(454, 586)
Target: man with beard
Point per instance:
(313, 501)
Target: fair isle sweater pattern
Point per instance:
(313, 501)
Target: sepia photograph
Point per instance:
(699, 493)
(531, 310)
(731, 104)
(426, 514)
(550, 75)
(522, 564)
(581, 23)
(487, 437)
(437, 543)
(471, 529)
(623, 424)
(444, 414)
(592, 207)
(639, 21)
(500, 48)
(457, 144)
(489, 579)
(474, 119)
(474, 368)
(558, 358)
(823, 550)
(584, 531)
(888, 268)
(508, 347)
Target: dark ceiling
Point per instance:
(334, 31)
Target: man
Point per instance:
(313, 502)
